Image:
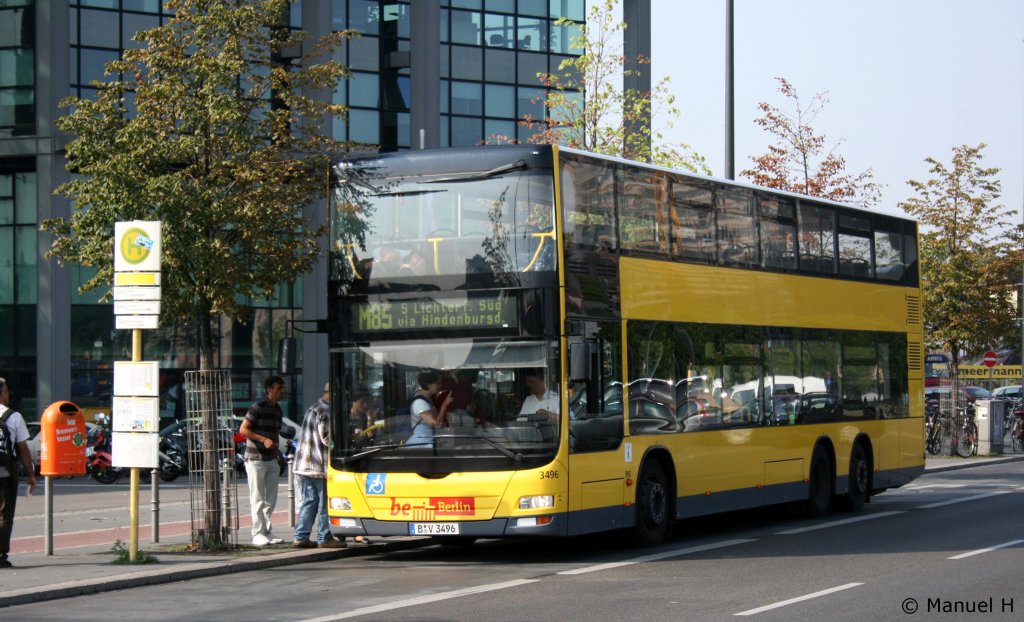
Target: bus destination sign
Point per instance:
(487, 312)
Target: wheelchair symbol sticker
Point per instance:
(375, 483)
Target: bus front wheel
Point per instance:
(652, 505)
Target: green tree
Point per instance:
(800, 160)
(207, 128)
(964, 248)
(588, 108)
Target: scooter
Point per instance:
(172, 459)
(98, 459)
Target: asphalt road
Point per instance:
(949, 546)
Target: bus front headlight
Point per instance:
(341, 504)
(536, 502)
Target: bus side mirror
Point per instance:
(286, 356)
(580, 357)
(584, 367)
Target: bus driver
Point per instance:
(541, 400)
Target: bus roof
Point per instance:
(484, 158)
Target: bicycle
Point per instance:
(936, 428)
(965, 436)
(1017, 431)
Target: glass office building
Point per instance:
(425, 73)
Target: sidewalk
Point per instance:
(938, 464)
(87, 570)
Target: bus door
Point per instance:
(597, 462)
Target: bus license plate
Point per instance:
(433, 529)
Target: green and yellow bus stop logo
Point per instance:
(135, 246)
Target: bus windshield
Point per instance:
(478, 228)
(496, 400)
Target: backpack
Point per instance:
(402, 427)
(7, 457)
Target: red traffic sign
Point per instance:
(990, 359)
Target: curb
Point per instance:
(962, 463)
(197, 570)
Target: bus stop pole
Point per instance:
(133, 508)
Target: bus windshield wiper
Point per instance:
(367, 452)
(515, 456)
(475, 175)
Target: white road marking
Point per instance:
(798, 599)
(962, 500)
(422, 600)
(837, 523)
(986, 550)
(923, 486)
(655, 557)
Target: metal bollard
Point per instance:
(154, 504)
(291, 494)
(225, 497)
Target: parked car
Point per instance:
(971, 394)
(1011, 392)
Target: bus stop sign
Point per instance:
(990, 359)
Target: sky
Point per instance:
(906, 80)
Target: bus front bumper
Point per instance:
(494, 528)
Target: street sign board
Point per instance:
(134, 449)
(137, 246)
(132, 322)
(136, 278)
(136, 414)
(990, 359)
(136, 292)
(1009, 373)
(136, 307)
(137, 379)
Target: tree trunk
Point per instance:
(211, 457)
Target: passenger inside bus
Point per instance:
(362, 416)
(425, 417)
(470, 405)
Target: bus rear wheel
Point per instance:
(819, 488)
(858, 486)
(652, 505)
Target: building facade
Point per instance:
(425, 74)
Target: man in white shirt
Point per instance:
(18, 433)
(540, 400)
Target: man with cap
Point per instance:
(311, 475)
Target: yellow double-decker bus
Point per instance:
(538, 341)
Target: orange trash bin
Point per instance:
(62, 440)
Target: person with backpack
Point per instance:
(425, 418)
(13, 446)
